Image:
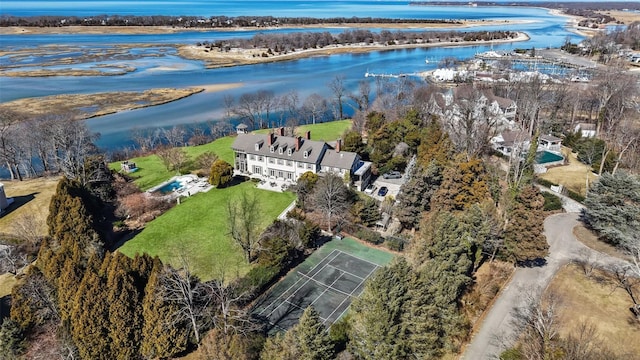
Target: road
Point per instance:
(497, 333)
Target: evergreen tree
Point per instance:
(435, 146)
(90, 318)
(161, 337)
(377, 331)
(68, 286)
(613, 208)
(282, 346)
(415, 197)
(125, 309)
(463, 184)
(524, 234)
(313, 338)
(443, 257)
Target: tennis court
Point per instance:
(329, 281)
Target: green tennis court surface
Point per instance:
(329, 280)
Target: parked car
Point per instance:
(392, 175)
(370, 189)
(383, 191)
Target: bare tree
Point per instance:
(330, 196)
(624, 277)
(191, 298)
(175, 135)
(243, 221)
(255, 108)
(173, 158)
(538, 319)
(362, 98)
(314, 107)
(146, 140)
(337, 87)
(26, 227)
(588, 261)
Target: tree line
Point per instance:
(284, 43)
(199, 21)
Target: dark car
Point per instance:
(383, 191)
(392, 175)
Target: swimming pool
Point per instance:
(170, 187)
(545, 157)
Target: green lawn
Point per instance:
(198, 228)
(151, 170)
(329, 131)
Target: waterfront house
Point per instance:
(285, 158)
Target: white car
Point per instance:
(370, 189)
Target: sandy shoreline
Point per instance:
(236, 57)
(86, 106)
(132, 30)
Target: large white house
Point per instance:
(275, 156)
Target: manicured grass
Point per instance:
(31, 199)
(151, 169)
(329, 131)
(572, 176)
(597, 301)
(197, 229)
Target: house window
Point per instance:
(280, 162)
(305, 154)
(271, 161)
(272, 148)
(272, 172)
(257, 147)
(309, 166)
(280, 174)
(260, 158)
(301, 165)
(289, 163)
(289, 152)
(280, 150)
(257, 170)
(290, 175)
(252, 157)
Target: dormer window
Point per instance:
(280, 151)
(257, 147)
(305, 154)
(289, 152)
(272, 148)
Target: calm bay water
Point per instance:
(306, 76)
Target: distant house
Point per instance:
(549, 143)
(275, 156)
(585, 130)
(450, 105)
(511, 142)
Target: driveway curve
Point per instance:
(497, 332)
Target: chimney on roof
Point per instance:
(338, 145)
(270, 139)
(307, 135)
(298, 143)
(280, 131)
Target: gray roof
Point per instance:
(340, 160)
(247, 143)
(242, 126)
(587, 126)
(550, 138)
(511, 137)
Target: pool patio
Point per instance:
(189, 185)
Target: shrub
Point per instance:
(369, 236)
(221, 173)
(258, 278)
(395, 244)
(546, 183)
(551, 202)
(575, 196)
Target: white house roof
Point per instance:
(550, 138)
